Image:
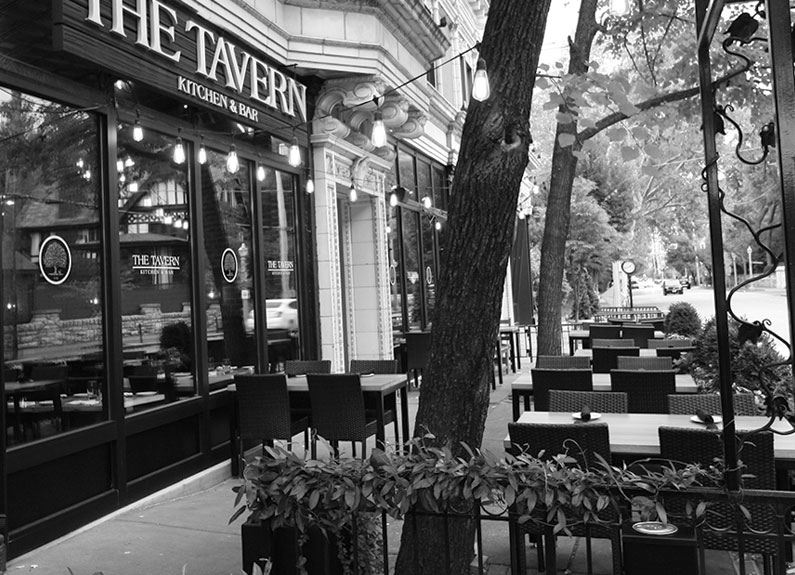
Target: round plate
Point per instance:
(715, 419)
(594, 415)
(655, 528)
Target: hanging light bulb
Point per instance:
(438, 225)
(179, 151)
(294, 154)
(133, 187)
(119, 165)
(393, 200)
(122, 178)
(128, 162)
(388, 229)
(202, 152)
(354, 195)
(426, 202)
(232, 163)
(87, 174)
(480, 83)
(138, 131)
(378, 135)
(260, 173)
(310, 185)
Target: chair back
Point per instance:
(337, 406)
(293, 367)
(546, 379)
(605, 359)
(640, 334)
(655, 363)
(39, 372)
(669, 343)
(373, 366)
(10, 374)
(418, 349)
(647, 391)
(563, 362)
(688, 403)
(263, 406)
(612, 342)
(575, 439)
(603, 331)
(601, 401)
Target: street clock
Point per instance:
(628, 267)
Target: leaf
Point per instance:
(542, 83)
(237, 514)
(616, 134)
(640, 133)
(593, 65)
(627, 108)
(566, 140)
(564, 118)
(587, 123)
(628, 153)
(314, 498)
(579, 155)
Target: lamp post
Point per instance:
(749, 251)
(628, 267)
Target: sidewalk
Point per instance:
(184, 529)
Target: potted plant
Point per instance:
(339, 501)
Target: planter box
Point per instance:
(281, 546)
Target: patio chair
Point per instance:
(581, 442)
(365, 366)
(647, 391)
(546, 379)
(640, 334)
(418, 353)
(606, 358)
(262, 405)
(338, 412)
(719, 529)
(566, 401)
(601, 331)
(655, 363)
(295, 367)
(612, 342)
(563, 362)
(688, 403)
(673, 348)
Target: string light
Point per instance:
(260, 173)
(353, 196)
(480, 83)
(438, 225)
(294, 154)
(138, 131)
(426, 202)
(378, 135)
(133, 187)
(310, 185)
(232, 163)
(202, 152)
(128, 162)
(119, 166)
(179, 151)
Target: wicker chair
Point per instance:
(606, 358)
(655, 363)
(563, 362)
(640, 334)
(756, 456)
(581, 442)
(295, 367)
(601, 331)
(263, 411)
(547, 379)
(647, 391)
(418, 353)
(688, 403)
(673, 348)
(365, 366)
(599, 342)
(601, 401)
(338, 412)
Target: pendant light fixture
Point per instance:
(260, 173)
(310, 185)
(202, 152)
(294, 154)
(426, 202)
(179, 151)
(378, 135)
(232, 163)
(138, 131)
(354, 195)
(480, 83)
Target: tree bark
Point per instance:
(476, 245)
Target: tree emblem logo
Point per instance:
(229, 265)
(55, 260)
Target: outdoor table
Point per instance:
(582, 335)
(512, 333)
(379, 387)
(522, 387)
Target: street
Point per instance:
(757, 304)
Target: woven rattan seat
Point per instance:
(295, 367)
(338, 412)
(688, 403)
(600, 342)
(563, 362)
(606, 358)
(653, 363)
(602, 331)
(647, 391)
(546, 379)
(581, 442)
(263, 411)
(601, 401)
(640, 334)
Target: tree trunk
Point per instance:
(556, 228)
(477, 243)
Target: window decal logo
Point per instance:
(229, 265)
(55, 260)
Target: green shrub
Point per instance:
(682, 319)
(747, 359)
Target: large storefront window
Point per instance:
(277, 194)
(155, 270)
(411, 254)
(54, 374)
(395, 271)
(228, 279)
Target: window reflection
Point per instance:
(155, 270)
(228, 279)
(411, 253)
(54, 376)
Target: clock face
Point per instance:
(628, 267)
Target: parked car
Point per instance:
(282, 313)
(672, 286)
(685, 282)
